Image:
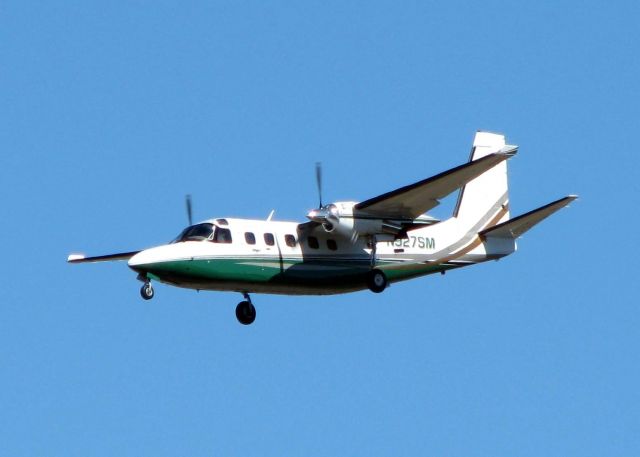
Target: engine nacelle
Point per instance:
(338, 217)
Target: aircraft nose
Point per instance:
(138, 260)
(144, 258)
(151, 258)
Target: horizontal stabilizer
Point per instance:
(80, 258)
(411, 201)
(515, 227)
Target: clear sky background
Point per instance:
(111, 112)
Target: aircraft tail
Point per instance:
(484, 201)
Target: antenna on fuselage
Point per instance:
(189, 209)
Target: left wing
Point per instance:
(411, 201)
(80, 258)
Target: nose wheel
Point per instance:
(146, 291)
(245, 311)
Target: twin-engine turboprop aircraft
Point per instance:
(348, 246)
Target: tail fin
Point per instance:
(487, 196)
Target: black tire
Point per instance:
(245, 313)
(146, 291)
(376, 281)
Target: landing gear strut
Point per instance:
(146, 291)
(245, 312)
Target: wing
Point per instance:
(80, 258)
(411, 201)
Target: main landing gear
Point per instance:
(245, 311)
(376, 279)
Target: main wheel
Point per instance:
(376, 281)
(245, 312)
(146, 291)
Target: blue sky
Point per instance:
(111, 113)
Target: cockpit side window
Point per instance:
(222, 235)
(196, 232)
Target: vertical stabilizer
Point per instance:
(486, 198)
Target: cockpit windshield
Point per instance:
(196, 232)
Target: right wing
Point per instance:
(80, 258)
(411, 201)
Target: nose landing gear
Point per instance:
(245, 311)
(146, 291)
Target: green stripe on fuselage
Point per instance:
(293, 271)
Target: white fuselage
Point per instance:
(275, 257)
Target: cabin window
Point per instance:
(268, 239)
(331, 244)
(290, 240)
(222, 235)
(250, 238)
(313, 242)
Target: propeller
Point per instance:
(189, 208)
(319, 181)
(322, 213)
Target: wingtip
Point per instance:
(75, 258)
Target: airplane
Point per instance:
(348, 246)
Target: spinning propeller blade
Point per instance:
(189, 209)
(319, 181)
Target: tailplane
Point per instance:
(515, 227)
